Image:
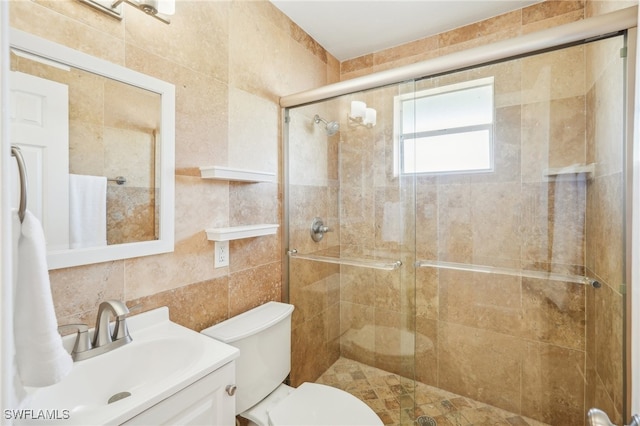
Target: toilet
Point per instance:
(263, 336)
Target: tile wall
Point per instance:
(230, 62)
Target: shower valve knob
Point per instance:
(318, 229)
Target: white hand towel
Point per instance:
(41, 358)
(87, 211)
(18, 396)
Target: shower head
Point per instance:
(331, 127)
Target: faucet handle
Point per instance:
(121, 312)
(82, 343)
(120, 330)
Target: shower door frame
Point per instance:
(631, 336)
(557, 37)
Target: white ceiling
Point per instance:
(349, 29)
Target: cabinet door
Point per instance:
(205, 402)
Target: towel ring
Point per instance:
(22, 171)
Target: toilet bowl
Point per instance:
(263, 336)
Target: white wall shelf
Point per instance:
(239, 232)
(574, 169)
(236, 175)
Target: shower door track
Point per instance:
(564, 35)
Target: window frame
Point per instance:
(399, 137)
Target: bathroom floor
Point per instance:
(386, 393)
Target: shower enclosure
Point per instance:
(467, 252)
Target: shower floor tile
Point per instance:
(392, 397)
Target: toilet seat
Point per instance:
(312, 404)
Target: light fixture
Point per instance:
(159, 9)
(361, 115)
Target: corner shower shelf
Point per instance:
(574, 169)
(551, 276)
(236, 175)
(240, 232)
(386, 265)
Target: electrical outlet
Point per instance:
(221, 254)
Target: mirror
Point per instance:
(98, 143)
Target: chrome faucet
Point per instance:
(103, 339)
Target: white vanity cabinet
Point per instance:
(205, 402)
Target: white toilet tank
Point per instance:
(263, 336)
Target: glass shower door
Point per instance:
(353, 288)
(473, 268)
(521, 261)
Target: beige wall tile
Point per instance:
(470, 299)
(609, 362)
(553, 384)
(506, 22)
(426, 353)
(480, 364)
(253, 287)
(357, 332)
(310, 345)
(39, 19)
(554, 313)
(549, 9)
(600, 7)
(183, 41)
(77, 292)
(412, 49)
(196, 306)
(253, 132)
(310, 289)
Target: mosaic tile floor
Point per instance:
(392, 398)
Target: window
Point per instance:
(447, 129)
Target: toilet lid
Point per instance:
(313, 404)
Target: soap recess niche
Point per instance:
(236, 175)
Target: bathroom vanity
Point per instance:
(205, 402)
(168, 374)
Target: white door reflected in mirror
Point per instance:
(39, 117)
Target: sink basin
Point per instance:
(111, 388)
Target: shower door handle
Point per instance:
(596, 417)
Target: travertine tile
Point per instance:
(196, 306)
(553, 384)
(182, 41)
(549, 9)
(396, 400)
(480, 364)
(480, 29)
(470, 299)
(609, 361)
(554, 312)
(253, 132)
(40, 19)
(254, 287)
(81, 289)
(544, 76)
